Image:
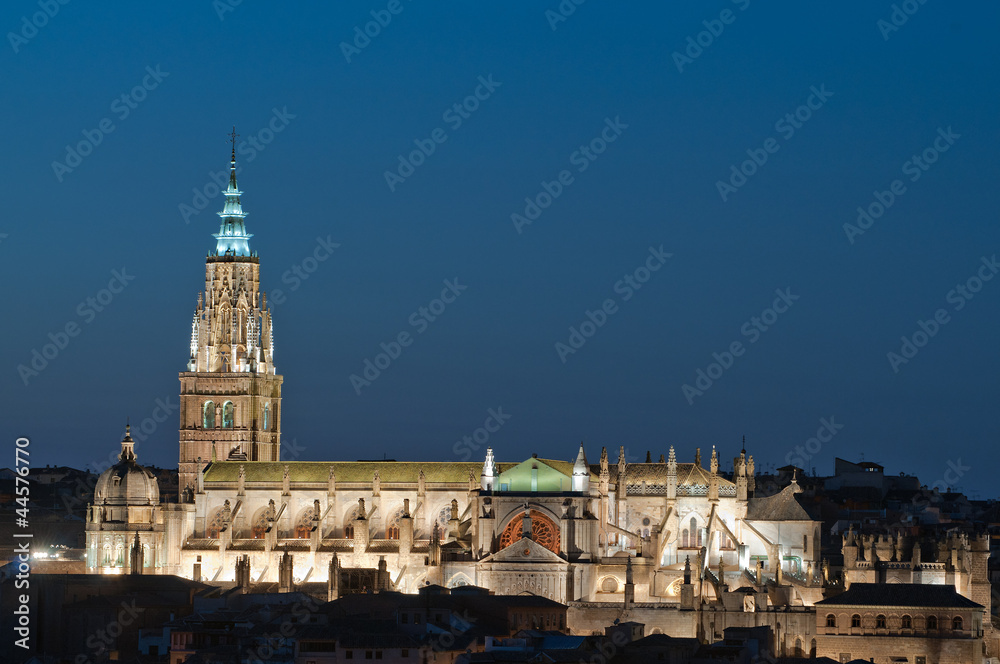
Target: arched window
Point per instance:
(684, 539)
(303, 529)
(956, 623)
(831, 620)
(349, 524)
(931, 622)
(880, 621)
(227, 415)
(855, 620)
(259, 529)
(267, 417)
(214, 526)
(392, 526)
(907, 622)
(208, 415)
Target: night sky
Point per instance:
(689, 171)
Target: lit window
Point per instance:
(208, 415)
(267, 417)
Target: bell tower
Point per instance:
(230, 402)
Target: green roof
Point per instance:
(361, 471)
(346, 471)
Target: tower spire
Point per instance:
(232, 238)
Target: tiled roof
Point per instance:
(362, 471)
(782, 506)
(346, 471)
(901, 594)
(688, 474)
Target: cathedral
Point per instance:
(666, 531)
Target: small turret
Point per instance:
(581, 472)
(672, 474)
(489, 474)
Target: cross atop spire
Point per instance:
(232, 139)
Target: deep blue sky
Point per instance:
(323, 176)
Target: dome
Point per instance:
(126, 483)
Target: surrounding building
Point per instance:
(900, 622)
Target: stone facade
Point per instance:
(627, 533)
(884, 622)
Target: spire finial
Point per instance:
(232, 238)
(744, 444)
